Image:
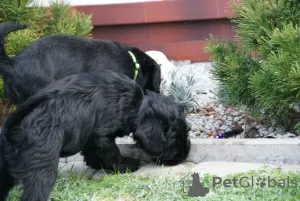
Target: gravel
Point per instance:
(213, 117)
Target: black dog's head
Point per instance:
(162, 130)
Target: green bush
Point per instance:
(261, 70)
(42, 21)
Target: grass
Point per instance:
(126, 187)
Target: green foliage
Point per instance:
(257, 19)
(17, 41)
(277, 83)
(182, 92)
(261, 70)
(21, 11)
(232, 68)
(65, 20)
(58, 18)
(42, 21)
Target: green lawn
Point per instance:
(126, 187)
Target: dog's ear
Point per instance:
(150, 136)
(155, 78)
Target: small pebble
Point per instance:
(241, 122)
(236, 119)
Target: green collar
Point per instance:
(137, 65)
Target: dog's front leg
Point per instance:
(39, 184)
(37, 170)
(102, 152)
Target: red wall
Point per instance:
(179, 28)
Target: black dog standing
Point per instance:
(56, 56)
(68, 116)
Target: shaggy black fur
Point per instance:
(56, 56)
(68, 116)
(162, 130)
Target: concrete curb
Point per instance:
(268, 151)
(277, 152)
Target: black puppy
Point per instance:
(160, 130)
(68, 116)
(56, 56)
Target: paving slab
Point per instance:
(179, 171)
(211, 167)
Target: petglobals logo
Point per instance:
(248, 182)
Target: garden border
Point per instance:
(277, 152)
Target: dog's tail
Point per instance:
(5, 29)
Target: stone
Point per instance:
(216, 127)
(224, 127)
(234, 113)
(255, 124)
(229, 123)
(263, 133)
(252, 133)
(194, 134)
(209, 109)
(271, 135)
(77, 167)
(199, 128)
(236, 119)
(194, 127)
(203, 135)
(228, 111)
(219, 122)
(190, 109)
(241, 122)
(289, 135)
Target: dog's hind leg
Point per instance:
(102, 152)
(6, 182)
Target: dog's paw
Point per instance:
(129, 164)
